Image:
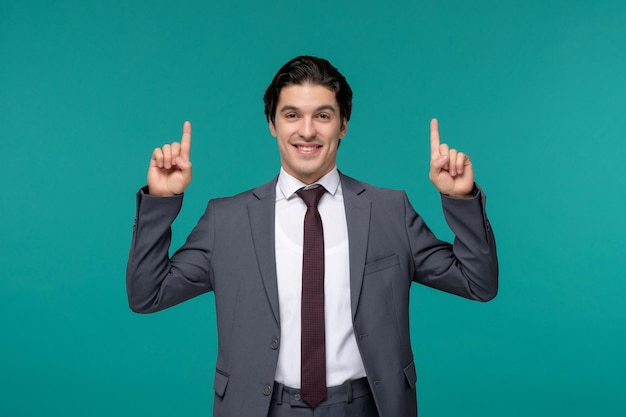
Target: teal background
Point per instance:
(534, 91)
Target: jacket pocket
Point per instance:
(381, 264)
(220, 382)
(411, 374)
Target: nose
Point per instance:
(307, 128)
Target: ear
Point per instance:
(272, 128)
(344, 128)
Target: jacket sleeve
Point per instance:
(469, 267)
(154, 281)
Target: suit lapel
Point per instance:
(261, 213)
(358, 218)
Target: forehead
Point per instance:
(302, 95)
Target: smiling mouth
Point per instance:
(307, 149)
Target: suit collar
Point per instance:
(266, 190)
(358, 208)
(261, 214)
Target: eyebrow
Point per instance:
(288, 107)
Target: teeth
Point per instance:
(307, 148)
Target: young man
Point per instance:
(312, 298)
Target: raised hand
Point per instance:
(170, 169)
(450, 170)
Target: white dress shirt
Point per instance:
(343, 360)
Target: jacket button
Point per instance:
(274, 344)
(267, 390)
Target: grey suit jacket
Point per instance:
(231, 252)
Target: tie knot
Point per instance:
(311, 196)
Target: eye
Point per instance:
(324, 116)
(290, 115)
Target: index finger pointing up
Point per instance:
(434, 138)
(185, 142)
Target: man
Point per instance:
(294, 294)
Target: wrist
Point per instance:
(470, 194)
(159, 193)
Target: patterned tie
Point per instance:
(313, 377)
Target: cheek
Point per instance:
(284, 143)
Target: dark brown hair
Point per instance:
(309, 69)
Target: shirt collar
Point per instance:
(288, 185)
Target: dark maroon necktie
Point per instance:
(313, 377)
